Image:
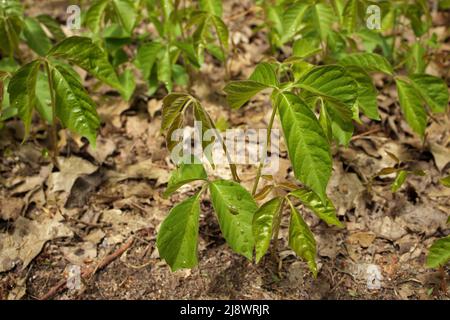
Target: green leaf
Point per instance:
(206, 123)
(323, 17)
(177, 123)
(43, 98)
(306, 47)
(167, 7)
(146, 56)
(35, 36)
(11, 7)
(439, 253)
(189, 50)
(213, 7)
(235, 208)
(325, 121)
(307, 144)
(74, 106)
(53, 26)
(173, 105)
(323, 210)
(302, 241)
(221, 30)
(22, 92)
(351, 15)
(341, 122)
(400, 178)
(446, 181)
(264, 221)
(370, 62)
(164, 70)
(411, 105)
(415, 59)
(198, 19)
(215, 51)
(292, 19)
(94, 15)
(331, 83)
(184, 174)
(126, 13)
(128, 84)
(433, 90)
(264, 73)
(239, 92)
(87, 55)
(177, 239)
(367, 93)
(10, 28)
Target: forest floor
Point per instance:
(53, 220)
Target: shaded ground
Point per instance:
(99, 199)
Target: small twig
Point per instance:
(87, 273)
(244, 13)
(365, 134)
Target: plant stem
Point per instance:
(277, 229)
(54, 136)
(266, 147)
(233, 168)
(225, 57)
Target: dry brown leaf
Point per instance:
(142, 170)
(70, 169)
(105, 147)
(28, 238)
(441, 155)
(10, 208)
(364, 239)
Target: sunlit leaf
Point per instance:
(35, 36)
(370, 62)
(307, 144)
(324, 210)
(439, 253)
(239, 92)
(264, 222)
(185, 173)
(74, 106)
(235, 208)
(22, 92)
(433, 90)
(87, 55)
(177, 240)
(411, 105)
(302, 241)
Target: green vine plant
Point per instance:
(184, 34)
(48, 84)
(315, 105)
(335, 26)
(70, 102)
(338, 93)
(15, 28)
